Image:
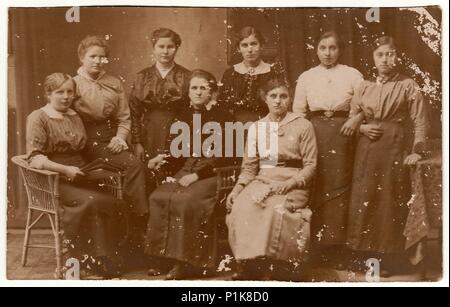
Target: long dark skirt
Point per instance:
(331, 191)
(155, 131)
(99, 136)
(380, 192)
(181, 222)
(91, 220)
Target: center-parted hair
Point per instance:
(166, 33)
(270, 85)
(248, 31)
(333, 34)
(383, 40)
(203, 74)
(55, 81)
(90, 41)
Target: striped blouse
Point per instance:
(50, 133)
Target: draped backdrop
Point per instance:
(42, 42)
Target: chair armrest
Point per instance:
(22, 162)
(226, 178)
(227, 169)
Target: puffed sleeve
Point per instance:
(300, 104)
(357, 78)
(227, 95)
(123, 114)
(356, 102)
(36, 139)
(308, 152)
(418, 115)
(250, 161)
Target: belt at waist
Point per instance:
(296, 163)
(329, 114)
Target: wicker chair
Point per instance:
(226, 180)
(42, 188)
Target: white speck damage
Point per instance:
(428, 28)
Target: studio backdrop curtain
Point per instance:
(292, 35)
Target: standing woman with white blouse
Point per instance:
(323, 94)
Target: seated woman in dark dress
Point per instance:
(103, 106)
(55, 137)
(180, 231)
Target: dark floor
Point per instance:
(41, 265)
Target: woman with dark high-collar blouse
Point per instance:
(55, 139)
(103, 106)
(157, 96)
(180, 235)
(381, 184)
(238, 94)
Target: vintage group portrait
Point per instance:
(289, 144)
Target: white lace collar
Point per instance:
(262, 68)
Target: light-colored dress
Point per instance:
(259, 225)
(381, 183)
(329, 89)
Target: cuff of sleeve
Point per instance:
(419, 148)
(300, 182)
(244, 181)
(38, 161)
(122, 133)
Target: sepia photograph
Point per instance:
(289, 144)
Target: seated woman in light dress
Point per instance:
(269, 216)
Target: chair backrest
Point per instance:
(42, 186)
(114, 185)
(226, 179)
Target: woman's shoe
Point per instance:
(176, 273)
(182, 271)
(90, 275)
(107, 269)
(385, 273)
(154, 272)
